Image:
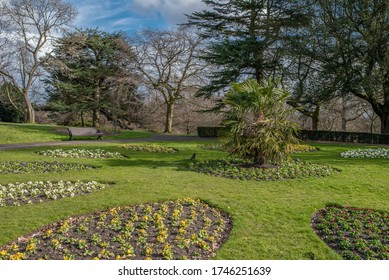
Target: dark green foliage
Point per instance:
(11, 104)
(91, 73)
(245, 37)
(342, 136)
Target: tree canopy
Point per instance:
(92, 71)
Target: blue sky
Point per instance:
(133, 15)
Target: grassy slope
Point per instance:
(271, 219)
(11, 133)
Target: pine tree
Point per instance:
(245, 37)
(88, 70)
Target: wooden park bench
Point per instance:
(84, 131)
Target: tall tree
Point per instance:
(170, 65)
(245, 37)
(92, 71)
(31, 26)
(353, 42)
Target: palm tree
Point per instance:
(256, 123)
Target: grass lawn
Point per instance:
(11, 133)
(271, 219)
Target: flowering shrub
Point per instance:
(182, 229)
(149, 148)
(80, 153)
(35, 192)
(354, 233)
(366, 153)
(300, 148)
(243, 170)
(22, 167)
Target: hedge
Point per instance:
(209, 132)
(319, 135)
(342, 136)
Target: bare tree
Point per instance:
(169, 62)
(32, 25)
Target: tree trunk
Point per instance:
(384, 117)
(30, 113)
(82, 119)
(315, 118)
(344, 114)
(258, 158)
(95, 118)
(169, 117)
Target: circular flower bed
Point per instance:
(80, 153)
(149, 148)
(366, 153)
(183, 229)
(354, 233)
(38, 191)
(243, 170)
(22, 167)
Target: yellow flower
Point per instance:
(117, 257)
(145, 218)
(31, 247)
(3, 253)
(14, 247)
(17, 256)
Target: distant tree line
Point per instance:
(331, 56)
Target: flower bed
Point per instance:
(354, 233)
(243, 170)
(366, 153)
(80, 153)
(301, 148)
(149, 148)
(183, 229)
(23, 167)
(35, 192)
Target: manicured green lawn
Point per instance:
(271, 220)
(11, 133)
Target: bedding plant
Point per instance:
(245, 170)
(181, 229)
(16, 194)
(28, 167)
(80, 153)
(354, 233)
(151, 148)
(366, 153)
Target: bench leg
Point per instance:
(99, 137)
(70, 137)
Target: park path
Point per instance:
(152, 138)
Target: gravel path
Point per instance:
(152, 138)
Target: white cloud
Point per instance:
(112, 15)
